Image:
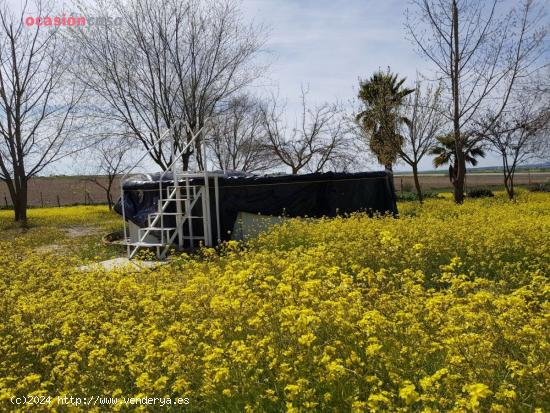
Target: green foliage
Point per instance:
(382, 96)
(411, 196)
(445, 150)
(539, 187)
(480, 193)
(74, 231)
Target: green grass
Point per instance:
(74, 231)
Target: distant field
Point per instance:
(69, 190)
(437, 182)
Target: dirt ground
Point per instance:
(70, 190)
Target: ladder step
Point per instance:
(159, 244)
(157, 229)
(145, 244)
(177, 213)
(181, 193)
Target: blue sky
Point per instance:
(330, 44)
(327, 45)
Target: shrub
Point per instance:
(539, 187)
(408, 196)
(480, 193)
(412, 196)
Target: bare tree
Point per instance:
(479, 53)
(168, 63)
(112, 160)
(539, 83)
(519, 135)
(237, 139)
(319, 137)
(127, 72)
(220, 59)
(425, 121)
(37, 106)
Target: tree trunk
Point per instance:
(199, 142)
(459, 177)
(109, 199)
(185, 162)
(20, 204)
(509, 185)
(16, 208)
(111, 179)
(460, 164)
(417, 183)
(22, 215)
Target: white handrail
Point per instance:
(182, 152)
(171, 167)
(175, 180)
(159, 140)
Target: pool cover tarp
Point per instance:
(312, 195)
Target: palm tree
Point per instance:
(382, 96)
(445, 152)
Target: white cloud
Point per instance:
(328, 45)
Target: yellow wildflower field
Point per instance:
(445, 309)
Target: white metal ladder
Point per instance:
(176, 204)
